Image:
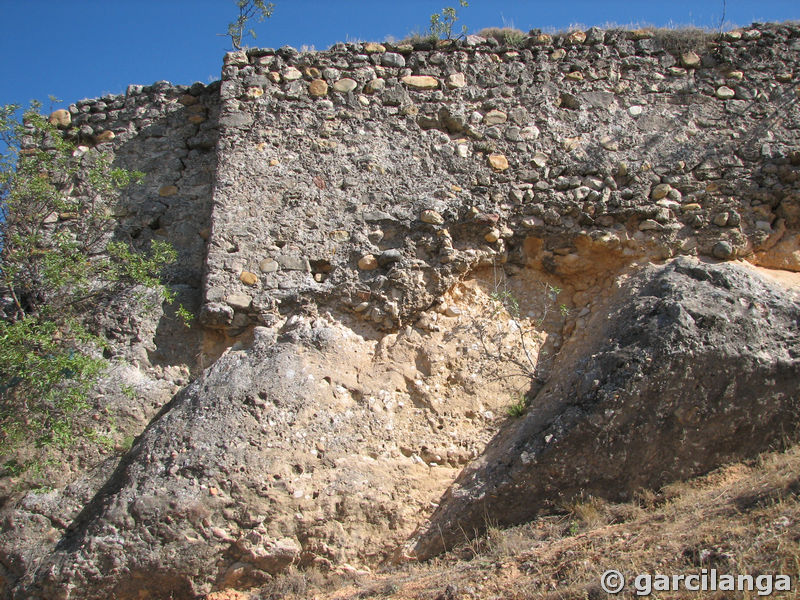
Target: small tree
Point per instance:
(442, 23)
(248, 10)
(56, 264)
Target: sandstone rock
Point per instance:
(248, 278)
(104, 136)
(649, 225)
(492, 236)
(421, 82)
(432, 217)
(374, 48)
(318, 88)
(495, 117)
(498, 162)
(60, 118)
(634, 388)
(576, 37)
(368, 263)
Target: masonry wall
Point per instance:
(370, 177)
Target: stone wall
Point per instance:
(168, 132)
(371, 177)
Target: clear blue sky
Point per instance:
(77, 49)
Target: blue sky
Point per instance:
(75, 49)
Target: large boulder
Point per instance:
(694, 366)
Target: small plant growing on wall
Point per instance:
(249, 10)
(442, 23)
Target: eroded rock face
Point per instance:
(696, 365)
(311, 447)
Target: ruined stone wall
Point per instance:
(371, 177)
(168, 132)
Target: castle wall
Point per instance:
(371, 177)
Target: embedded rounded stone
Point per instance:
(254, 92)
(495, 117)
(318, 88)
(268, 265)
(660, 191)
(649, 225)
(104, 136)
(722, 250)
(239, 301)
(60, 118)
(167, 191)
(392, 59)
(373, 48)
(492, 236)
(375, 85)
(456, 81)
(576, 37)
(339, 235)
(421, 82)
(690, 60)
(368, 263)
(345, 85)
(725, 93)
(292, 74)
(248, 278)
(432, 217)
(498, 162)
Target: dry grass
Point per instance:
(507, 36)
(741, 519)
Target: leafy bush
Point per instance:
(56, 263)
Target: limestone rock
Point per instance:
(392, 59)
(421, 82)
(456, 81)
(345, 85)
(725, 93)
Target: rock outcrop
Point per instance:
(694, 365)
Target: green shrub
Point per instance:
(56, 264)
